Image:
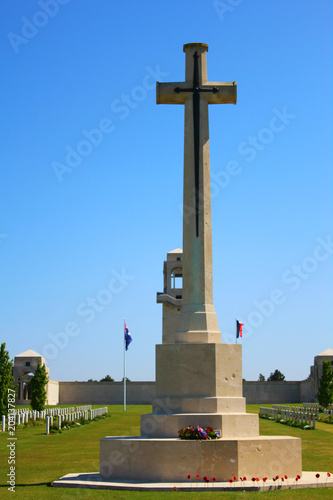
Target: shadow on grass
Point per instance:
(24, 485)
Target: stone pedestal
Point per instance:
(163, 460)
(198, 370)
(199, 384)
(204, 387)
(228, 424)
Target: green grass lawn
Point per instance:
(41, 459)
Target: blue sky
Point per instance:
(91, 178)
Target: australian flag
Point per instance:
(128, 338)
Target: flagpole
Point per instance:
(236, 330)
(124, 367)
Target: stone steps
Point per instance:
(228, 424)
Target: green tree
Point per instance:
(127, 379)
(38, 389)
(107, 378)
(277, 376)
(6, 380)
(325, 393)
(261, 377)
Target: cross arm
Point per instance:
(226, 94)
(214, 92)
(165, 93)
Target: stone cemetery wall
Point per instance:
(307, 389)
(106, 392)
(273, 392)
(52, 389)
(144, 392)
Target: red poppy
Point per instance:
(235, 478)
(174, 488)
(253, 479)
(257, 478)
(328, 474)
(285, 476)
(276, 477)
(213, 479)
(298, 476)
(197, 476)
(282, 478)
(244, 478)
(189, 476)
(264, 479)
(230, 481)
(317, 476)
(207, 480)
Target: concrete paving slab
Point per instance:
(93, 480)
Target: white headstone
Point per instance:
(47, 425)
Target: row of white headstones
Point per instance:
(71, 414)
(293, 414)
(72, 417)
(316, 406)
(307, 415)
(308, 407)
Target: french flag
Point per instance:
(239, 329)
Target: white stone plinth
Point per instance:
(140, 459)
(229, 424)
(199, 370)
(169, 405)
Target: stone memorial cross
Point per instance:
(198, 322)
(198, 379)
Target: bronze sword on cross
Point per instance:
(196, 93)
(214, 93)
(196, 89)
